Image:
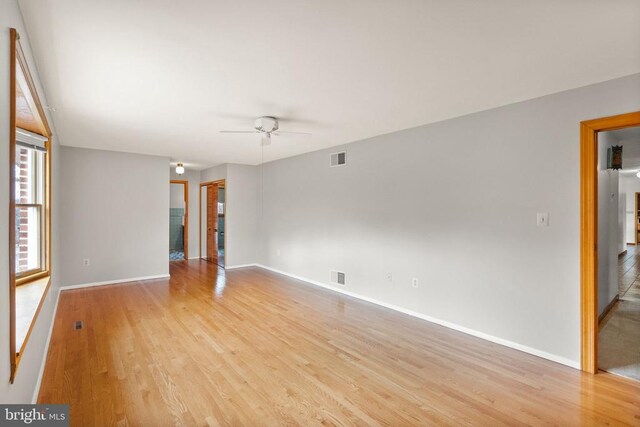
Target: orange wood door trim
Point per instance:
(589, 230)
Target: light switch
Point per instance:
(543, 219)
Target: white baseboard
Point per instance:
(36, 391)
(543, 354)
(478, 334)
(232, 267)
(113, 282)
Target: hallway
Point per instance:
(619, 338)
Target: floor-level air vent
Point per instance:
(338, 159)
(78, 325)
(338, 277)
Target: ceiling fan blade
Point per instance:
(294, 133)
(239, 131)
(266, 139)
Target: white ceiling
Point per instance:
(164, 76)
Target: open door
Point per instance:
(212, 223)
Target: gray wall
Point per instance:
(115, 212)
(608, 232)
(242, 209)
(215, 173)
(453, 204)
(176, 196)
(26, 379)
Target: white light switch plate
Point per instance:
(543, 219)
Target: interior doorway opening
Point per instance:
(589, 251)
(213, 222)
(178, 220)
(618, 256)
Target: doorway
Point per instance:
(589, 131)
(178, 220)
(213, 222)
(618, 262)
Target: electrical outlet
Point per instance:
(277, 252)
(389, 277)
(86, 262)
(542, 219)
(414, 282)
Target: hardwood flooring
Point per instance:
(629, 272)
(251, 347)
(619, 336)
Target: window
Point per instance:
(29, 202)
(30, 248)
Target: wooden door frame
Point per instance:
(185, 183)
(589, 230)
(221, 183)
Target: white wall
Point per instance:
(28, 372)
(608, 232)
(193, 177)
(629, 185)
(453, 204)
(115, 212)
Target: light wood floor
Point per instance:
(257, 348)
(619, 336)
(629, 273)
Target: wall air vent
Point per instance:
(338, 277)
(338, 159)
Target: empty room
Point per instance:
(247, 213)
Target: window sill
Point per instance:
(29, 298)
(30, 277)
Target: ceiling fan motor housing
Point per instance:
(266, 124)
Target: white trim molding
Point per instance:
(526, 349)
(233, 267)
(36, 390)
(114, 282)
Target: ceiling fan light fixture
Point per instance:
(266, 124)
(180, 169)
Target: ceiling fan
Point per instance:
(266, 126)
